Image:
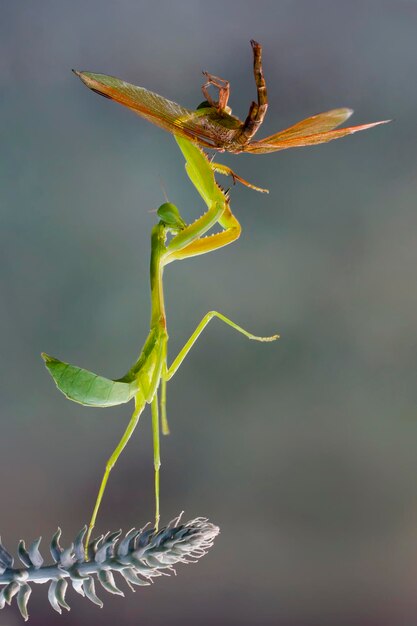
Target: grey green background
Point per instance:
(303, 451)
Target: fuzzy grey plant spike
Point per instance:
(139, 557)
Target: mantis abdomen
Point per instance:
(88, 388)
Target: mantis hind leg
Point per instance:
(206, 319)
(156, 454)
(139, 406)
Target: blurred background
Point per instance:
(303, 451)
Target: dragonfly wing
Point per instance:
(206, 126)
(314, 130)
(315, 124)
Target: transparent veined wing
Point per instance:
(208, 127)
(311, 131)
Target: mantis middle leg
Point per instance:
(163, 404)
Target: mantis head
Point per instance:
(170, 217)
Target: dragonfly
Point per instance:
(145, 382)
(212, 124)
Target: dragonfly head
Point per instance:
(206, 105)
(170, 217)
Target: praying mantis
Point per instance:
(146, 381)
(211, 126)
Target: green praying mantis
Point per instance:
(145, 383)
(210, 126)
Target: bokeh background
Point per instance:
(303, 451)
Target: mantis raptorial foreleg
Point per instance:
(201, 326)
(190, 242)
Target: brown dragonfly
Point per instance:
(212, 124)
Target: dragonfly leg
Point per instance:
(257, 110)
(259, 76)
(224, 169)
(224, 91)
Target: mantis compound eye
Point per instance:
(170, 216)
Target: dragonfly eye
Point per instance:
(171, 217)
